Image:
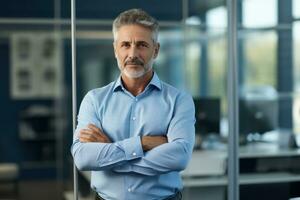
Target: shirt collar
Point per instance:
(118, 85)
(155, 81)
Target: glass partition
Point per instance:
(268, 101)
(296, 6)
(35, 101)
(296, 59)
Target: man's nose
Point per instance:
(133, 52)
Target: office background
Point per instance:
(35, 73)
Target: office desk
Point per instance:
(210, 165)
(205, 176)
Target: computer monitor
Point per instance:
(257, 116)
(208, 112)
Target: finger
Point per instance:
(105, 137)
(95, 128)
(85, 139)
(160, 140)
(100, 136)
(87, 133)
(99, 131)
(89, 137)
(92, 136)
(90, 132)
(165, 138)
(92, 129)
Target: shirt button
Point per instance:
(136, 99)
(134, 154)
(129, 190)
(133, 118)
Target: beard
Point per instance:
(136, 72)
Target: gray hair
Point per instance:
(138, 17)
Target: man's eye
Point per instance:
(125, 45)
(143, 45)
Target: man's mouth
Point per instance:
(136, 62)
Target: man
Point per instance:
(137, 133)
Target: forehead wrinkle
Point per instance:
(134, 31)
(134, 41)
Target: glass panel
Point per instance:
(296, 64)
(206, 68)
(296, 118)
(268, 103)
(170, 60)
(206, 61)
(258, 13)
(259, 64)
(296, 48)
(217, 17)
(296, 8)
(34, 103)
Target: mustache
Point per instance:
(135, 61)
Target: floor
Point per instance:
(32, 190)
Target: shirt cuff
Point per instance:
(132, 148)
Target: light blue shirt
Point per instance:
(121, 170)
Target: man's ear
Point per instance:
(156, 50)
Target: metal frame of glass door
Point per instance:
(74, 86)
(232, 99)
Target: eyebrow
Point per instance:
(125, 42)
(137, 42)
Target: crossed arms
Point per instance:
(92, 149)
(94, 134)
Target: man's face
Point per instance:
(135, 50)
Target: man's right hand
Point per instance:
(93, 134)
(150, 142)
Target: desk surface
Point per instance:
(244, 179)
(257, 150)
